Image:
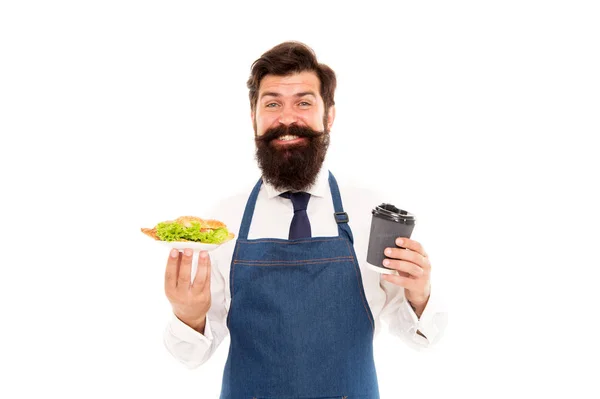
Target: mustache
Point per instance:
(283, 130)
(294, 168)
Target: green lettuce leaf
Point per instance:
(217, 236)
(171, 231)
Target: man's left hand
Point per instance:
(414, 269)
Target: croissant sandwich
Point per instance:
(190, 228)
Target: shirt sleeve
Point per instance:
(188, 345)
(404, 323)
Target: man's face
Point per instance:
(291, 99)
(291, 129)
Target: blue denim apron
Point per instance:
(299, 321)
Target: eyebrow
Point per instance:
(301, 94)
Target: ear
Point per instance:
(330, 117)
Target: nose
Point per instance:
(288, 115)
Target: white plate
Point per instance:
(196, 246)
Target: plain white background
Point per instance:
(479, 117)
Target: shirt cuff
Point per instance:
(427, 324)
(188, 334)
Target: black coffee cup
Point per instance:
(387, 224)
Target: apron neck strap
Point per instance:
(340, 216)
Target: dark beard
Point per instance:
(297, 166)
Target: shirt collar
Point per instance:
(318, 189)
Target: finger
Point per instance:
(403, 274)
(202, 280)
(411, 244)
(405, 282)
(407, 255)
(172, 270)
(403, 266)
(185, 270)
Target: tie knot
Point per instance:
(299, 199)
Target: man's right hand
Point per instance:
(190, 300)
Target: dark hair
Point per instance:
(288, 58)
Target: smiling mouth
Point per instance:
(289, 139)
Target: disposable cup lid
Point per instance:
(390, 212)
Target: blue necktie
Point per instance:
(300, 227)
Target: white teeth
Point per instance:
(288, 137)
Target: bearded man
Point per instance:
(293, 290)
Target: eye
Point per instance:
(271, 105)
(304, 104)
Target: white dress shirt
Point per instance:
(271, 219)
